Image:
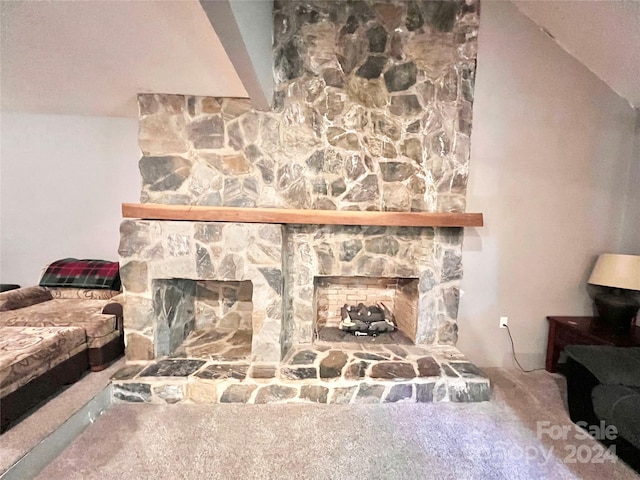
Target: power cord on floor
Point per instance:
(513, 352)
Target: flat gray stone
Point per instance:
(424, 392)
(333, 77)
(288, 61)
(413, 127)
(169, 393)
(352, 51)
(428, 367)
(304, 357)
(338, 187)
(127, 372)
(349, 249)
(164, 173)
(414, 18)
(451, 301)
(386, 245)
(399, 393)
(273, 277)
(172, 368)
(365, 190)
(396, 171)
(440, 15)
(132, 392)
(275, 393)
(301, 373)
(448, 333)
(368, 393)
(314, 393)
(428, 392)
(370, 356)
(466, 369)
(237, 394)
(372, 67)
(474, 392)
(134, 276)
(222, 371)
(400, 77)
(356, 370)
(204, 266)
(331, 366)
(451, 266)
(448, 371)
(393, 371)
(266, 168)
(377, 37)
(354, 167)
(343, 395)
(403, 105)
(398, 350)
(208, 232)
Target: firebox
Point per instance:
(203, 318)
(373, 296)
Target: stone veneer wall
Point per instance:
(372, 111)
(433, 256)
(158, 250)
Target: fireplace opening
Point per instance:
(207, 319)
(366, 310)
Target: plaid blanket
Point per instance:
(71, 272)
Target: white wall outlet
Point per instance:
(503, 322)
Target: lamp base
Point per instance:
(617, 310)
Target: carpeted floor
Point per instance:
(496, 439)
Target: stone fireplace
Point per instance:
(372, 111)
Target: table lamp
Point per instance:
(617, 304)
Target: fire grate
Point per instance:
(367, 320)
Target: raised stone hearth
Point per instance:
(319, 374)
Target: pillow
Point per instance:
(71, 272)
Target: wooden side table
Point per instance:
(565, 331)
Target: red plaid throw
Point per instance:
(71, 272)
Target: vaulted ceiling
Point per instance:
(91, 58)
(602, 35)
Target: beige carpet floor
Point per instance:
(490, 440)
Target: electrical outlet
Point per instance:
(503, 322)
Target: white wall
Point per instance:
(551, 150)
(630, 241)
(62, 180)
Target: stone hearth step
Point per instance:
(323, 373)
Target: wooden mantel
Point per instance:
(151, 211)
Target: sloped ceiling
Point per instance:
(91, 58)
(604, 35)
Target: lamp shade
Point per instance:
(618, 271)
